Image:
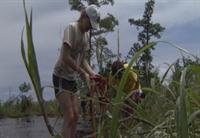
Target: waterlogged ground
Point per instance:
(34, 127)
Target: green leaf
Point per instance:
(164, 76)
(179, 48)
(31, 18)
(23, 52)
(119, 98)
(193, 116)
(32, 67)
(181, 111)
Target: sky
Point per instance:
(181, 19)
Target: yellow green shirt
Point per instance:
(132, 82)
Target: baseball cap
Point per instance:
(94, 15)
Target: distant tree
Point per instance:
(148, 30)
(26, 102)
(98, 37)
(24, 87)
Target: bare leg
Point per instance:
(76, 116)
(66, 105)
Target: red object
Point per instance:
(101, 84)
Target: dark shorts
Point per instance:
(61, 84)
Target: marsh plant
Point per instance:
(25, 100)
(169, 110)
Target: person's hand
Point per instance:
(86, 77)
(98, 75)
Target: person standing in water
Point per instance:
(72, 61)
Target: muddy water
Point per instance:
(33, 127)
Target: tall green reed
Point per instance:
(181, 106)
(31, 65)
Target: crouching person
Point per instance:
(132, 86)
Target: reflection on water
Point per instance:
(26, 127)
(34, 127)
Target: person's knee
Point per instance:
(69, 116)
(69, 119)
(76, 116)
(75, 108)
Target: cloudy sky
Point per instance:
(181, 19)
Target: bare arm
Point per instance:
(87, 68)
(67, 59)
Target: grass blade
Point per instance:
(23, 52)
(193, 116)
(181, 112)
(164, 76)
(32, 67)
(119, 96)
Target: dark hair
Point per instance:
(117, 68)
(83, 14)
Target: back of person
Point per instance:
(79, 44)
(132, 83)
